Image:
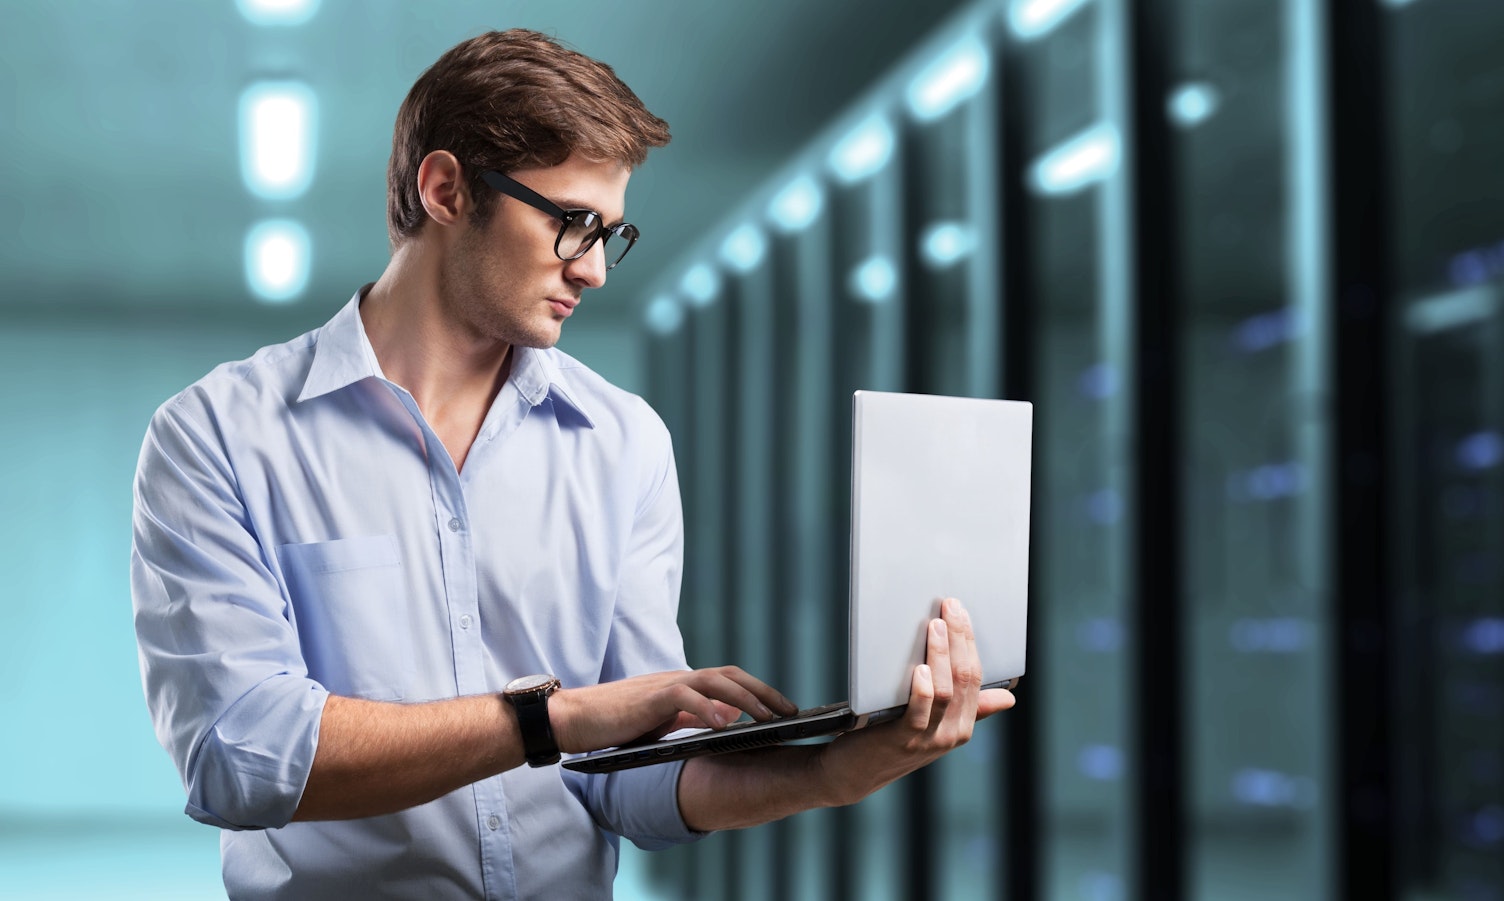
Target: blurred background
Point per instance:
(1245, 257)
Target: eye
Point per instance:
(583, 219)
(580, 227)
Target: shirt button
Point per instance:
(454, 525)
(493, 823)
(465, 621)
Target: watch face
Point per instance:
(529, 683)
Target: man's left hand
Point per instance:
(945, 701)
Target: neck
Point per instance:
(453, 372)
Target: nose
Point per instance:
(589, 271)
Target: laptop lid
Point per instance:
(939, 508)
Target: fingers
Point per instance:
(921, 699)
(764, 693)
(682, 696)
(734, 686)
(717, 697)
(954, 674)
(966, 664)
(937, 655)
(612, 713)
(728, 713)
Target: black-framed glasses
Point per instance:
(578, 230)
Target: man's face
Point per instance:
(505, 283)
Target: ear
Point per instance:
(441, 187)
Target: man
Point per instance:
(347, 546)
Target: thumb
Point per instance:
(993, 700)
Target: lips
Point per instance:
(563, 305)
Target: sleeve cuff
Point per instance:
(641, 805)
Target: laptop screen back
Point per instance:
(940, 508)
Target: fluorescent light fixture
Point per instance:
(1088, 157)
(277, 257)
(863, 152)
(1396, 4)
(743, 249)
(1031, 19)
(1455, 309)
(956, 75)
(873, 279)
(277, 12)
(278, 121)
(1193, 103)
(664, 316)
(797, 205)
(946, 243)
(700, 284)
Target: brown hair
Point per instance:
(510, 100)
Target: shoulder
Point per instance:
(611, 409)
(266, 381)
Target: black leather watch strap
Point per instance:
(530, 700)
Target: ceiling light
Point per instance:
(1089, 157)
(953, 77)
(797, 205)
(277, 129)
(277, 257)
(864, 151)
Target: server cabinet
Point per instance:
(1248, 140)
(1444, 143)
(1070, 129)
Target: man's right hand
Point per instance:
(615, 713)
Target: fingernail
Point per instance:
(937, 628)
(922, 672)
(718, 719)
(763, 709)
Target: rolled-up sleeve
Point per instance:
(642, 804)
(225, 681)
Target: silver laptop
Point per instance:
(939, 508)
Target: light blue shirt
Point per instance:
(300, 530)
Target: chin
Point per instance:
(541, 339)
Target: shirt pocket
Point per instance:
(349, 600)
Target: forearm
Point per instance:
(735, 791)
(376, 758)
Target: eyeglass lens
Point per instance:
(580, 231)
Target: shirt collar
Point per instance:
(536, 375)
(343, 356)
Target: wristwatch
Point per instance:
(528, 695)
